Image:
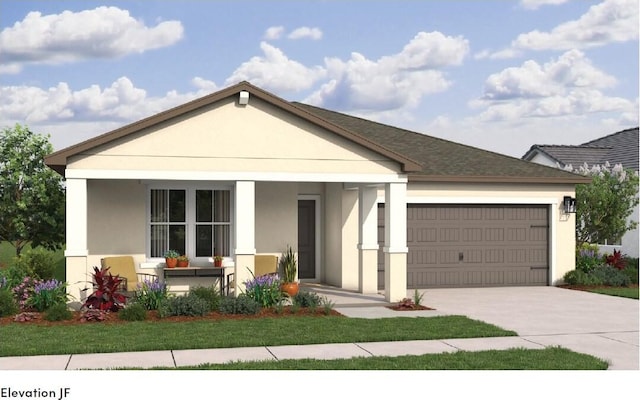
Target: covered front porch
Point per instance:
(331, 224)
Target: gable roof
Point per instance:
(422, 157)
(616, 148)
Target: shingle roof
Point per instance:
(623, 147)
(422, 157)
(617, 148)
(443, 160)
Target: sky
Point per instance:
(498, 75)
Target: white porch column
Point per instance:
(395, 241)
(245, 237)
(76, 252)
(368, 239)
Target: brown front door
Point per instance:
(306, 239)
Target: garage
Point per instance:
(473, 245)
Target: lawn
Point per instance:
(32, 339)
(629, 292)
(551, 358)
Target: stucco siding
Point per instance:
(333, 234)
(116, 213)
(276, 217)
(226, 137)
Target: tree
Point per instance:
(605, 204)
(32, 198)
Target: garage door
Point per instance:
(473, 245)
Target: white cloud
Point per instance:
(204, 84)
(119, 102)
(274, 71)
(104, 32)
(535, 4)
(391, 82)
(570, 85)
(273, 33)
(306, 33)
(608, 22)
(570, 70)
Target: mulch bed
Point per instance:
(112, 318)
(396, 307)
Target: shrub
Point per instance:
(587, 257)
(189, 305)
(133, 312)
(307, 299)
(106, 296)
(632, 273)
(209, 294)
(631, 262)
(151, 293)
(611, 276)
(581, 278)
(242, 304)
(12, 276)
(8, 304)
(58, 312)
(37, 263)
(265, 290)
(46, 294)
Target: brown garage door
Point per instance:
(473, 245)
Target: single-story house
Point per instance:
(366, 206)
(617, 148)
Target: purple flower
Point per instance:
(51, 285)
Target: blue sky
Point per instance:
(500, 75)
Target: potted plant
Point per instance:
(171, 258)
(289, 267)
(217, 261)
(183, 261)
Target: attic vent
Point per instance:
(244, 98)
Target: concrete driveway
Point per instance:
(603, 326)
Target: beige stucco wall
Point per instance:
(562, 225)
(228, 137)
(341, 237)
(276, 217)
(116, 216)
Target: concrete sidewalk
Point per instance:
(603, 326)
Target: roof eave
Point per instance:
(498, 179)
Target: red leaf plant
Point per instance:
(106, 296)
(616, 260)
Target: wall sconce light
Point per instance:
(569, 204)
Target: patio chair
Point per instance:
(264, 264)
(125, 267)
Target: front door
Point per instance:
(306, 239)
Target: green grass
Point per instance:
(631, 293)
(31, 339)
(551, 358)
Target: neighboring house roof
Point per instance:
(617, 148)
(422, 157)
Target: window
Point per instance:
(195, 222)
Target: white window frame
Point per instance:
(190, 199)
